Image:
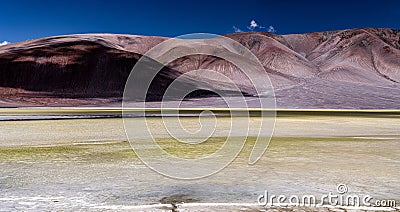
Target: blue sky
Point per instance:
(22, 19)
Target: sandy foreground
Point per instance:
(87, 164)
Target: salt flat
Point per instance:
(87, 163)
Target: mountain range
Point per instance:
(343, 69)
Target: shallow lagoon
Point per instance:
(87, 163)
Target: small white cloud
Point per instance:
(237, 29)
(254, 26)
(4, 43)
(271, 29)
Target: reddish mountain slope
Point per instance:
(356, 68)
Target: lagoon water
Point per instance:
(87, 164)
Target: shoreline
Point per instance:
(60, 113)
